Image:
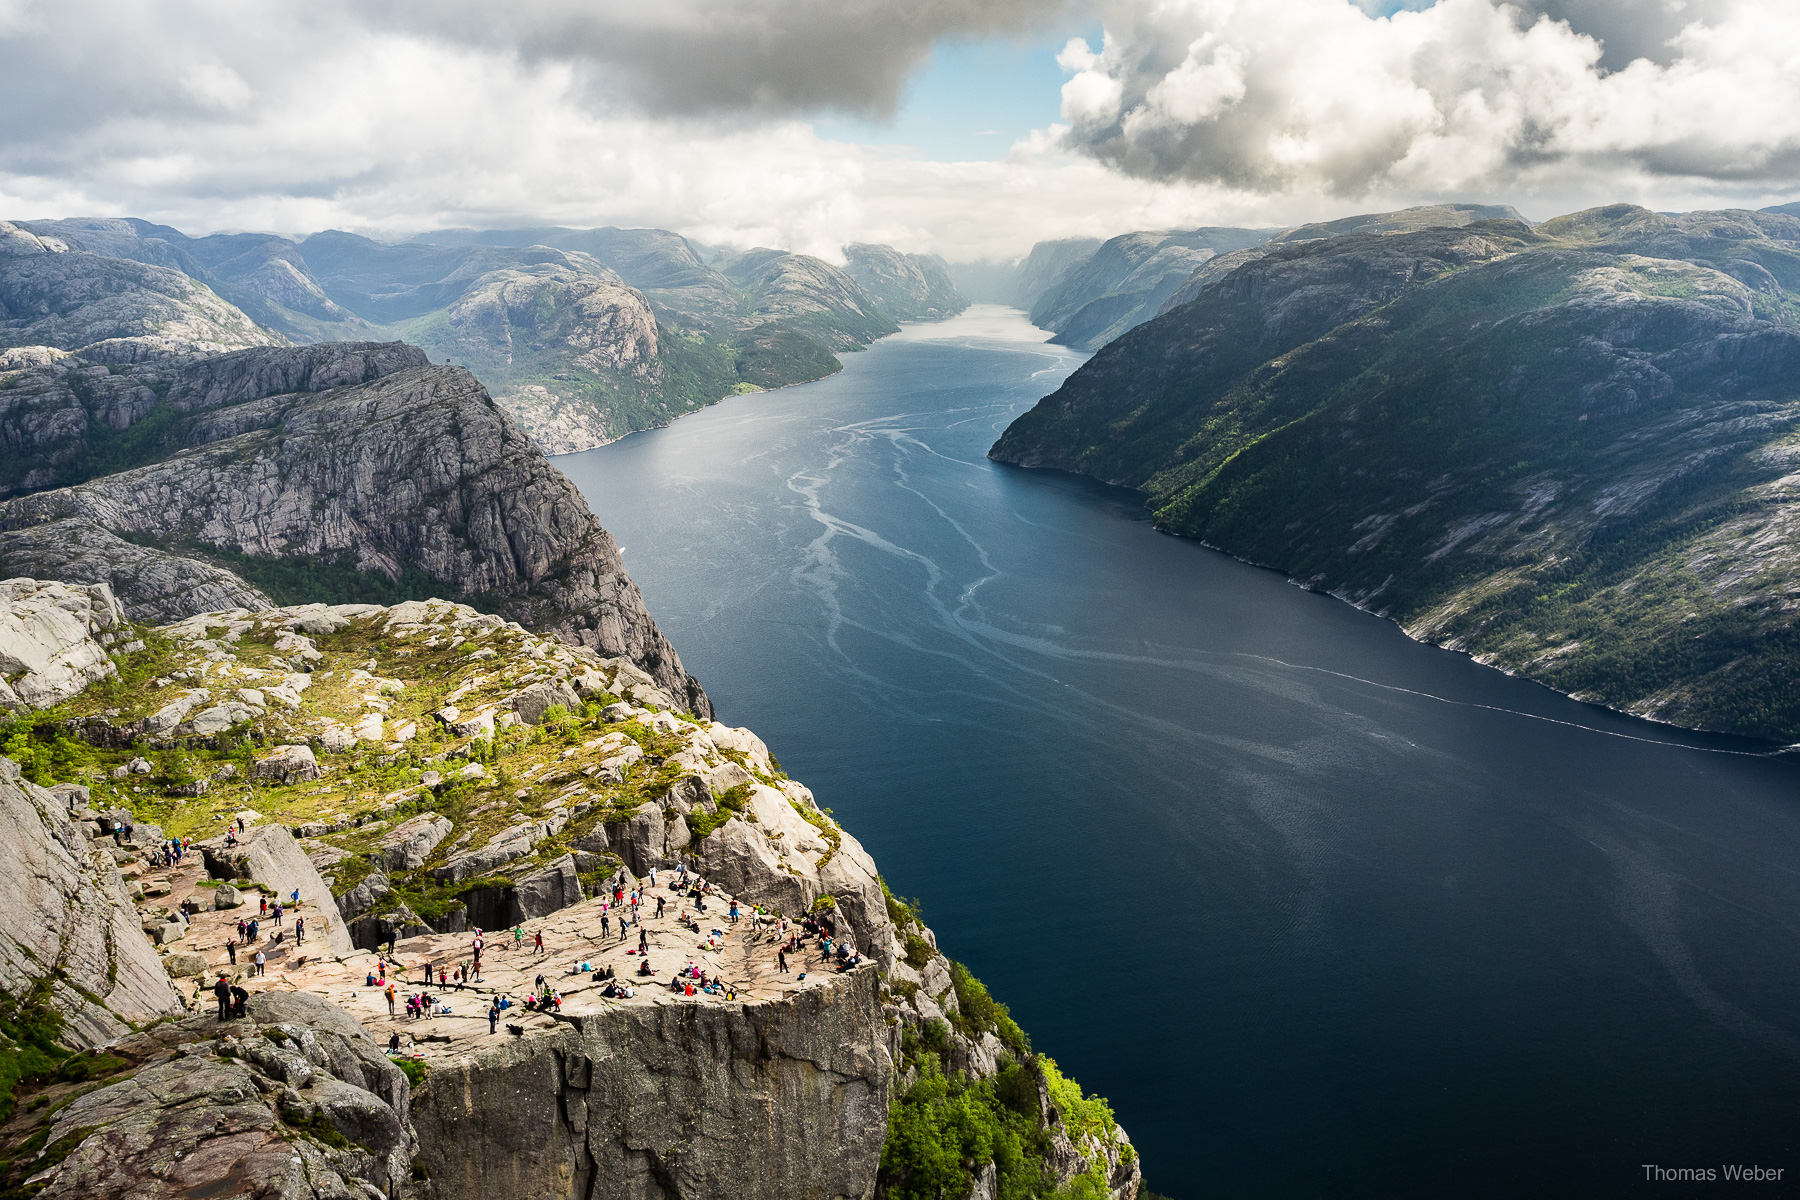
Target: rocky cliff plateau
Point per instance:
(327, 470)
(416, 770)
(1566, 449)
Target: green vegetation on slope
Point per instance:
(1572, 460)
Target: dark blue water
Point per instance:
(1324, 912)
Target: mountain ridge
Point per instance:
(1559, 448)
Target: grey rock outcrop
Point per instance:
(410, 843)
(224, 1110)
(509, 845)
(287, 765)
(156, 585)
(269, 855)
(555, 887)
(65, 916)
(49, 647)
(750, 1101)
(417, 470)
(111, 309)
(361, 898)
(532, 703)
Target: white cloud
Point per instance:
(211, 114)
(1466, 97)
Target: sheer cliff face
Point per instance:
(1564, 449)
(407, 469)
(65, 918)
(1124, 282)
(750, 1101)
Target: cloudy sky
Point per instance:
(968, 127)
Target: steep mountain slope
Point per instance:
(1125, 281)
(1567, 450)
(810, 296)
(340, 471)
(113, 309)
(908, 287)
(583, 335)
(262, 273)
(586, 335)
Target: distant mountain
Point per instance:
(1124, 282)
(59, 297)
(1568, 449)
(1406, 220)
(583, 335)
(1045, 266)
(909, 287)
(261, 273)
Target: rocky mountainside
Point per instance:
(1124, 282)
(263, 274)
(1566, 449)
(57, 297)
(339, 471)
(582, 335)
(908, 287)
(678, 334)
(446, 770)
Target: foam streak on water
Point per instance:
(1322, 911)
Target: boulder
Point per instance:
(49, 647)
(75, 795)
(288, 765)
(532, 703)
(225, 896)
(361, 898)
(221, 717)
(410, 843)
(184, 964)
(555, 887)
(269, 855)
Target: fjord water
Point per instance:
(1322, 911)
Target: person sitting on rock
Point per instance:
(394, 1042)
(644, 968)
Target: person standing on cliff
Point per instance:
(299, 930)
(222, 993)
(781, 959)
(494, 1017)
(605, 924)
(231, 950)
(260, 963)
(537, 943)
